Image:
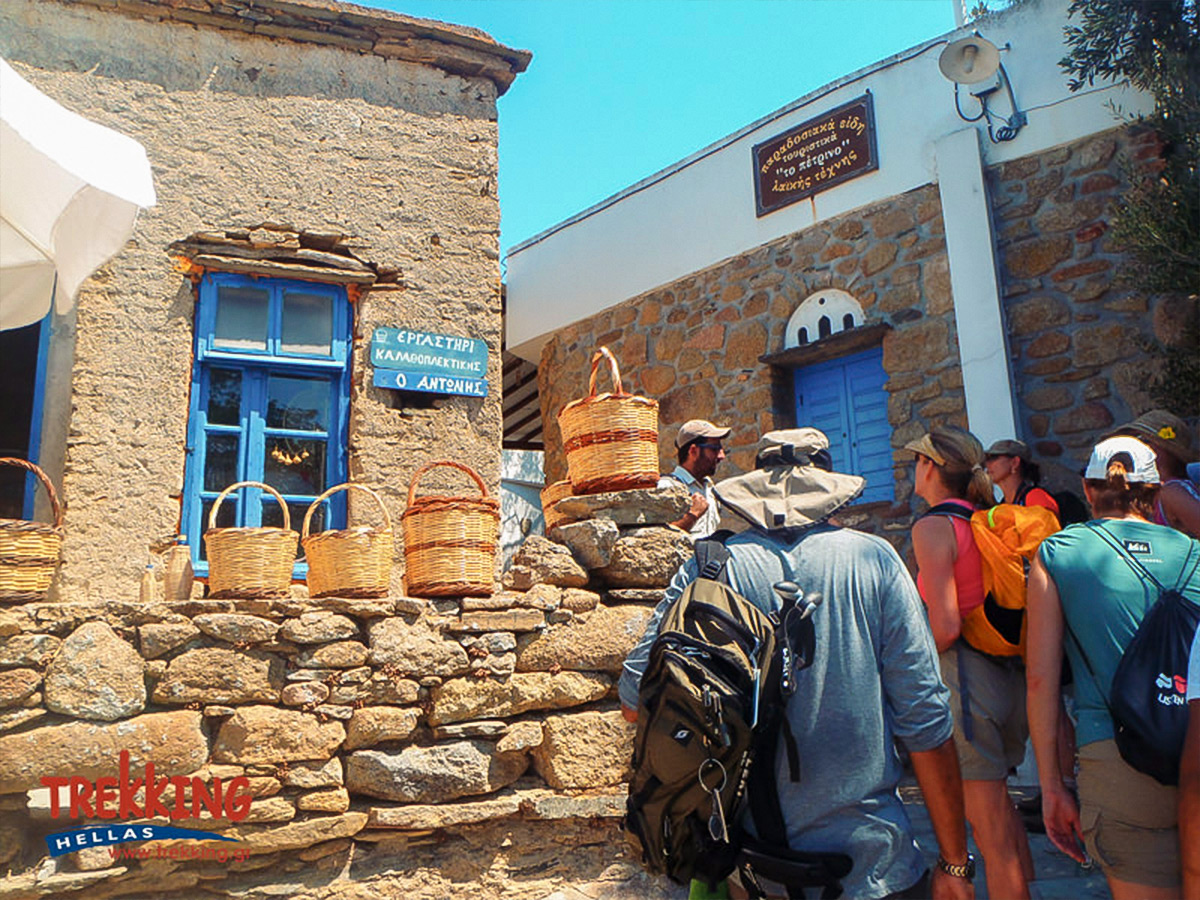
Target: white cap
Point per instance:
(1144, 469)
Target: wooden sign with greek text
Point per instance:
(815, 155)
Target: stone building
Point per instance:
(323, 170)
(954, 273)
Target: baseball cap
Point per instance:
(1145, 469)
(695, 429)
(1008, 448)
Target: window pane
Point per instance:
(295, 466)
(224, 396)
(298, 403)
(225, 519)
(307, 323)
(220, 463)
(241, 318)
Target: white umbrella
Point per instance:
(70, 190)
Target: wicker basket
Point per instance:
(450, 542)
(353, 562)
(550, 495)
(29, 551)
(611, 440)
(250, 562)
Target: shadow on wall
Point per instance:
(521, 482)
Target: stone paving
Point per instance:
(1058, 876)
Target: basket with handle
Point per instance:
(29, 551)
(611, 440)
(551, 494)
(450, 542)
(352, 562)
(251, 562)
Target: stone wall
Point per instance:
(247, 121)
(1076, 333)
(695, 344)
(458, 747)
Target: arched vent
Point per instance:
(826, 312)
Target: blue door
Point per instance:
(846, 400)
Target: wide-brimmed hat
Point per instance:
(793, 486)
(1144, 470)
(1160, 428)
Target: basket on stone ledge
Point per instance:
(611, 440)
(29, 551)
(550, 495)
(450, 542)
(250, 562)
(352, 562)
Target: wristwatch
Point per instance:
(965, 870)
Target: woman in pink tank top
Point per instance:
(987, 693)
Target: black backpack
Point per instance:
(1147, 698)
(710, 714)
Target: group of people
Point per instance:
(891, 664)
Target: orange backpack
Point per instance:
(1007, 536)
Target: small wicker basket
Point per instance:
(450, 542)
(551, 494)
(611, 440)
(250, 562)
(353, 562)
(29, 551)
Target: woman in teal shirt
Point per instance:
(1085, 597)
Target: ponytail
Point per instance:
(963, 473)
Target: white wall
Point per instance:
(701, 210)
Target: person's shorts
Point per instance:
(990, 728)
(1130, 820)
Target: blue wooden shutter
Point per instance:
(846, 400)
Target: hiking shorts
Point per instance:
(1130, 820)
(987, 697)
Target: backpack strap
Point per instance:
(947, 508)
(1022, 493)
(712, 556)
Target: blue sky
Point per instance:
(619, 89)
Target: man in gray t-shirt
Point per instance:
(874, 676)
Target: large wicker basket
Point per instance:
(450, 542)
(250, 562)
(611, 440)
(29, 551)
(550, 495)
(353, 562)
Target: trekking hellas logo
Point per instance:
(1172, 689)
(127, 797)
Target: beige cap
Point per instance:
(1018, 449)
(696, 429)
(924, 446)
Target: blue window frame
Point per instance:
(269, 403)
(845, 399)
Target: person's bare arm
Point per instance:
(1181, 509)
(1043, 677)
(698, 507)
(935, 550)
(1189, 805)
(941, 784)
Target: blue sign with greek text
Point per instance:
(428, 383)
(435, 354)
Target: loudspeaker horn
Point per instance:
(969, 60)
